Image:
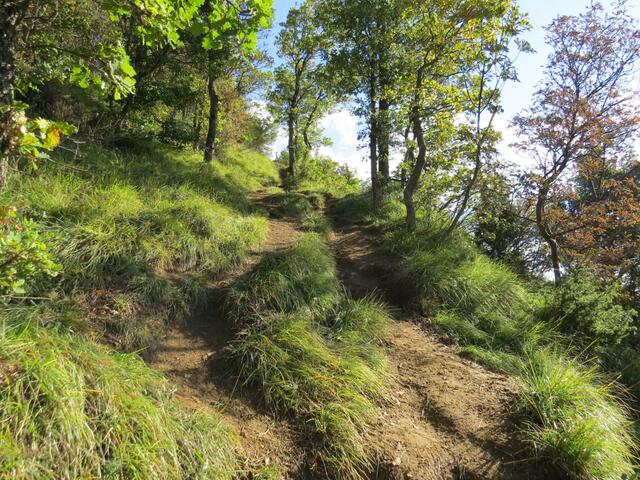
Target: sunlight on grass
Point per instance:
(313, 352)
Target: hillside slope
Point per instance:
(138, 231)
(447, 417)
(444, 417)
(294, 352)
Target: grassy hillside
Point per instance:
(72, 409)
(137, 233)
(573, 416)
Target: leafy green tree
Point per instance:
(75, 42)
(481, 85)
(365, 35)
(499, 225)
(222, 32)
(298, 98)
(454, 57)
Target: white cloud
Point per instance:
(280, 144)
(505, 148)
(341, 127)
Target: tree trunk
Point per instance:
(462, 208)
(291, 144)
(305, 131)
(416, 172)
(11, 14)
(214, 104)
(384, 140)
(373, 144)
(197, 128)
(546, 233)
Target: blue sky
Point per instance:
(341, 127)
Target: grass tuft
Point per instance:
(316, 222)
(303, 276)
(71, 409)
(312, 352)
(577, 422)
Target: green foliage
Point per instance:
(248, 167)
(590, 313)
(461, 329)
(624, 360)
(24, 253)
(71, 409)
(328, 385)
(366, 318)
(32, 138)
(577, 423)
(312, 352)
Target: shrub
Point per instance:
(576, 423)
(590, 313)
(24, 255)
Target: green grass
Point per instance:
(323, 176)
(573, 417)
(472, 299)
(577, 422)
(358, 206)
(315, 222)
(71, 409)
(313, 352)
(147, 225)
(303, 276)
(293, 204)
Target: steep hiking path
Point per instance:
(447, 418)
(191, 357)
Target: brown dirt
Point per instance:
(446, 418)
(191, 356)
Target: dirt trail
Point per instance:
(191, 356)
(447, 418)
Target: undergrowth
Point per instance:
(138, 231)
(72, 409)
(575, 419)
(312, 351)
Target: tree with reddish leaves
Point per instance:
(581, 124)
